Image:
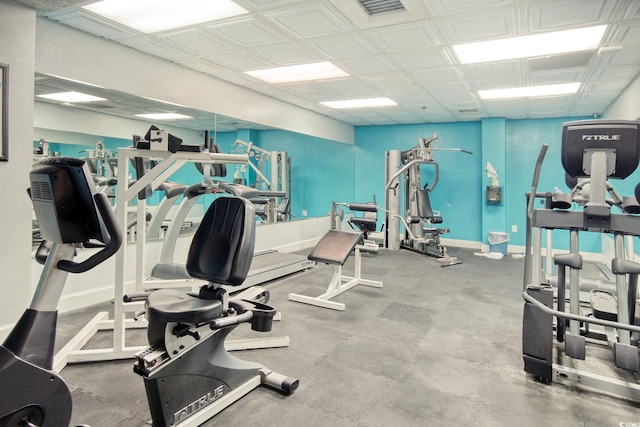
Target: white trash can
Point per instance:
(498, 242)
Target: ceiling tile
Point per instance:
(626, 33)
(291, 53)
(405, 37)
(449, 7)
(441, 75)
(313, 20)
(554, 15)
(343, 46)
(366, 65)
(250, 32)
(416, 99)
(493, 70)
(551, 77)
(387, 80)
(423, 58)
(481, 26)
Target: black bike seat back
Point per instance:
(222, 248)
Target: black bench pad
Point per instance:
(335, 247)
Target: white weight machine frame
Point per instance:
(339, 283)
(168, 164)
(279, 175)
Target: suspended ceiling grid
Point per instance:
(404, 55)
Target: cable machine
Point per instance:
(279, 180)
(418, 218)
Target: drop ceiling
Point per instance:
(403, 54)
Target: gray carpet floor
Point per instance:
(435, 346)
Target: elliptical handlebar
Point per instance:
(42, 252)
(530, 202)
(112, 246)
(536, 178)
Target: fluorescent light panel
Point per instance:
(531, 91)
(150, 16)
(163, 116)
(360, 103)
(72, 97)
(298, 73)
(553, 43)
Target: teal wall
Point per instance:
(512, 147)
(456, 195)
(524, 139)
(324, 171)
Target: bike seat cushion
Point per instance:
(171, 305)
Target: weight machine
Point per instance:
(279, 180)
(420, 233)
(170, 155)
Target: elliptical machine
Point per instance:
(70, 211)
(189, 376)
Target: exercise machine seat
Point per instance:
(369, 219)
(171, 305)
(222, 248)
(283, 207)
(424, 207)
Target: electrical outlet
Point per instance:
(304, 212)
(514, 228)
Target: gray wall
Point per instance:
(627, 105)
(17, 32)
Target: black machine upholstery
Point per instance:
(220, 253)
(368, 221)
(171, 305)
(424, 207)
(222, 248)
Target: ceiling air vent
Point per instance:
(376, 7)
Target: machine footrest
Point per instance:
(604, 305)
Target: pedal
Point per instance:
(604, 305)
(150, 359)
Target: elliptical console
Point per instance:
(70, 212)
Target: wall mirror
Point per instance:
(308, 157)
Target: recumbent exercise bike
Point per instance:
(189, 376)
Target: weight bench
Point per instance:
(334, 248)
